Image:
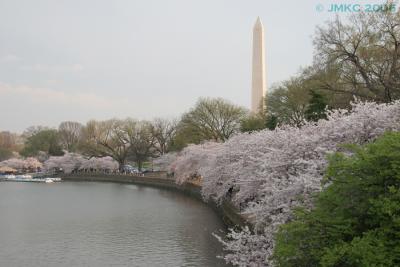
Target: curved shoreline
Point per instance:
(229, 214)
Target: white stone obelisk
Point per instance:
(258, 77)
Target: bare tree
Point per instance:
(139, 136)
(70, 133)
(106, 138)
(163, 131)
(8, 145)
(8, 140)
(364, 53)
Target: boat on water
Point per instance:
(29, 178)
(52, 180)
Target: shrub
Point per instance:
(356, 219)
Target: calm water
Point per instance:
(104, 224)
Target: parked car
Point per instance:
(144, 170)
(129, 169)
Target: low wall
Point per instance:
(229, 214)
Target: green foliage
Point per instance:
(288, 101)
(45, 140)
(210, 119)
(356, 219)
(253, 123)
(316, 109)
(5, 153)
(272, 122)
(185, 134)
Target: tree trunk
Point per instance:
(121, 164)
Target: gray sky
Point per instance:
(93, 59)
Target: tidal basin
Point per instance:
(104, 224)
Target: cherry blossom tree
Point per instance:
(190, 161)
(68, 162)
(14, 163)
(100, 164)
(163, 162)
(28, 164)
(268, 173)
(33, 164)
(73, 162)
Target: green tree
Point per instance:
(288, 101)
(5, 153)
(212, 119)
(185, 134)
(316, 109)
(272, 122)
(46, 140)
(355, 220)
(258, 122)
(253, 123)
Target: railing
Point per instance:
(158, 174)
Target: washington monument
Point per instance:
(258, 87)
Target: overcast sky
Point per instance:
(92, 59)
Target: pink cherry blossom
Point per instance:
(267, 173)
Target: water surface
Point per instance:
(104, 224)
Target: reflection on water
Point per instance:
(104, 224)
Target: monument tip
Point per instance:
(258, 22)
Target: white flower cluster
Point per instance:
(72, 161)
(267, 173)
(163, 162)
(22, 164)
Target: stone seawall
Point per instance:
(229, 214)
